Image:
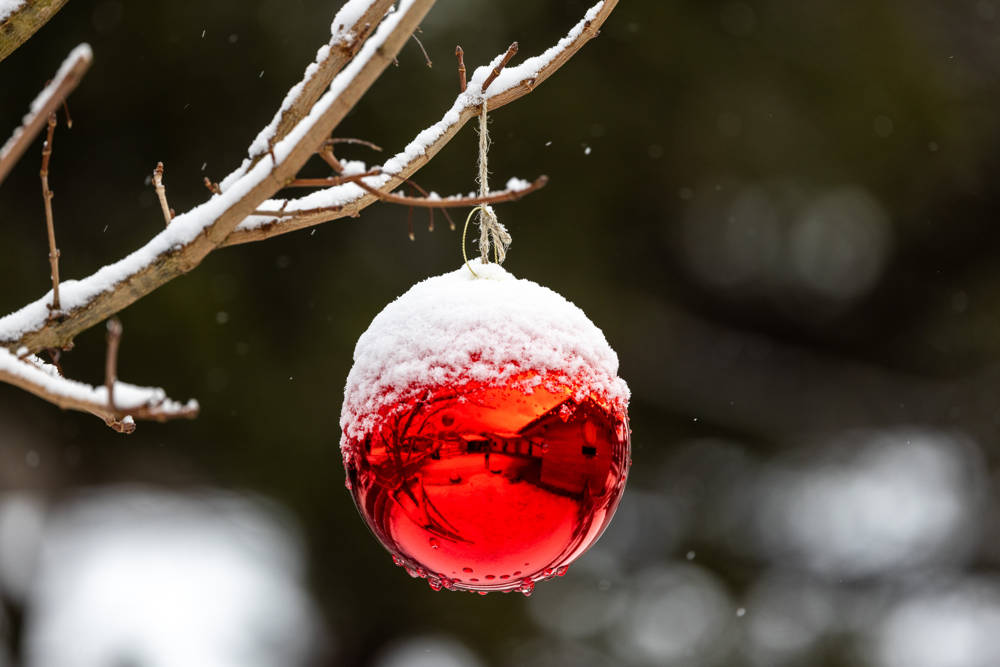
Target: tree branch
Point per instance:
(44, 105)
(347, 38)
(192, 235)
(131, 402)
(300, 128)
(350, 199)
(430, 201)
(24, 22)
(49, 223)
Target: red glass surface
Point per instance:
(491, 488)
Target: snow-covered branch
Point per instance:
(195, 233)
(349, 199)
(130, 402)
(344, 68)
(44, 105)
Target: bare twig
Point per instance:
(416, 186)
(49, 224)
(24, 22)
(511, 50)
(47, 101)
(111, 359)
(69, 119)
(211, 186)
(460, 54)
(349, 140)
(161, 192)
(427, 58)
(331, 181)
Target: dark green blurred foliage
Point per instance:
(686, 147)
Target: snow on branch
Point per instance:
(130, 402)
(350, 28)
(20, 19)
(349, 199)
(356, 55)
(192, 235)
(44, 105)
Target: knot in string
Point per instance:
(491, 231)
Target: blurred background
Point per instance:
(783, 217)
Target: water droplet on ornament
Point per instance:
(447, 419)
(435, 584)
(434, 543)
(490, 576)
(482, 592)
(467, 570)
(397, 560)
(562, 570)
(505, 576)
(547, 572)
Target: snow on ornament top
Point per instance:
(457, 327)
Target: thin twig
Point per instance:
(416, 186)
(460, 54)
(511, 50)
(330, 181)
(161, 192)
(349, 140)
(49, 224)
(211, 186)
(51, 96)
(111, 359)
(326, 152)
(427, 58)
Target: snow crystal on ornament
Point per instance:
(485, 431)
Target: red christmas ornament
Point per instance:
(485, 431)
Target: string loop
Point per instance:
(491, 231)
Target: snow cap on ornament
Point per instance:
(484, 327)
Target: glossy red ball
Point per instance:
(486, 488)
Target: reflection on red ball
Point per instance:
(491, 488)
